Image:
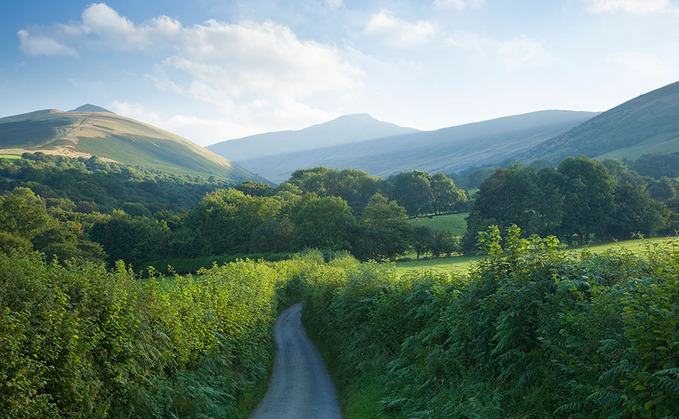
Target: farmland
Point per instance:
(461, 264)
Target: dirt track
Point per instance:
(300, 386)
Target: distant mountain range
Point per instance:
(646, 124)
(343, 130)
(446, 150)
(91, 130)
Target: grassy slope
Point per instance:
(461, 264)
(646, 124)
(116, 138)
(452, 223)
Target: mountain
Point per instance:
(116, 138)
(88, 107)
(445, 150)
(343, 130)
(646, 124)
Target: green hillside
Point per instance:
(643, 125)
(114, 138)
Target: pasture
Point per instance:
(461, 264)
(455, 224)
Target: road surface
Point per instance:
(300, 386)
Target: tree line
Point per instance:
(96, 210)
(580, 200)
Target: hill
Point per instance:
(646, 124)
(114, 138)
(88, 107)
(445, 150)
(343, 130)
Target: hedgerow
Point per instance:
(531, 332)
(78, 341)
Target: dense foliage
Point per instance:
(108, 211)
(96, 185)
(580, 200)
(532, 332)
(80, 342)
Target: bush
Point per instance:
(533, 331)
(79, 341)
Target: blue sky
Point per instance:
(212, 70)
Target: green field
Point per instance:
(461, 264)
(453, 223)
(10, 156)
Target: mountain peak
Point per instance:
(88, 107)
(343, 130)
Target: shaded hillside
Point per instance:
(446, 150)
(646, 124)
(88, 107)
(113, 137)
(343, 130)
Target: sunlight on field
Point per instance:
(452, 264)
(455, 224)
(10, 156)
(461, 264)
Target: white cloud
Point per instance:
(136, 111)
(42, 45)
(400, 33)
(333, 4)
(227, 62)
(523, 51)
(120, 33)
(231, 68)
(646, 64)
(629, 6)
(458, 4)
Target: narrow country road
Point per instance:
(300, 386)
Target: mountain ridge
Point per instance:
(447, 149)
(345, 129)
(645, 124)
(116, 138)
(88, 107)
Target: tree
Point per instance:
(255, 189)
(24, 213)
(588, 191)
(412, 191)
(445, 195)
(657, 165)
(133, 240)
(354, 186)
(636, 212)
(385, 232)
(323, 223)
(225, 219)
(423, 240)
(520, 195)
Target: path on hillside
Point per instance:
(300, 386)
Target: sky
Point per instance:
(214, 70)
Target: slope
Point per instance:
(115, 138)
(646, 124)
(343, 130)
(446, 150)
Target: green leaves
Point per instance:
(532, 331)
(78, 341)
